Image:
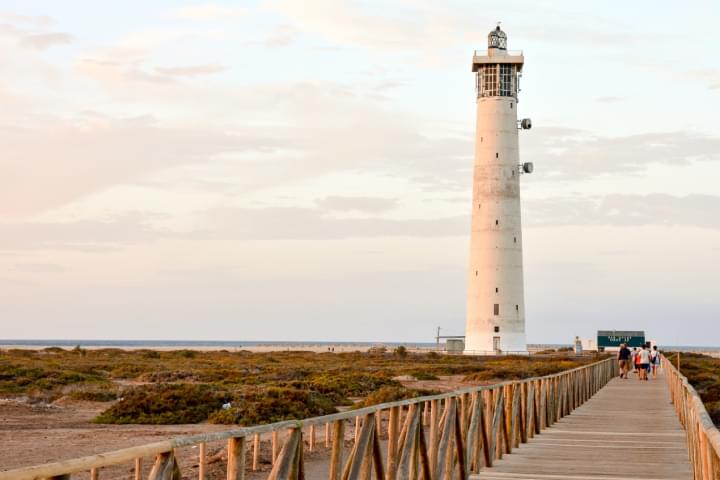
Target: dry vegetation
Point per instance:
(703, 373)
(147, 386)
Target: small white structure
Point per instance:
(454, 345)
(495, 308)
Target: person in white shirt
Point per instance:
(644, 362)
(654, 360)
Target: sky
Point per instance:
(301, 170)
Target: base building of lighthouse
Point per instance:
(495, 308)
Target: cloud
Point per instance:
(76, 158)
(357, 204)
(625, 210)
(191, 70)
(609, 99)
(567, 154)
(209, 12)
(37, 20)
(44, 41)
(80, 235)
(348, 24)
(39, 268)
(305, 223)
(281, 36)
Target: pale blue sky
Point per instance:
(301, 170)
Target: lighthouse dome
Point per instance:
(497, 39)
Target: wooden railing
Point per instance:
(703, 437)
(436, 437)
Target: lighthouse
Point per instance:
(495, 321)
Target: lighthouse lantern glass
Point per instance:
(497, 80)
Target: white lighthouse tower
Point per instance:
(495, 309)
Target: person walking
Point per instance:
(655, 360)
(644, 362)
(634, 360)
(623, 360)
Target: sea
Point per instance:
(284, 345)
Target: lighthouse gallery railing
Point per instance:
(434, 437)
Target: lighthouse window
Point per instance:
(496, 309)
(497, 329)
(497, 289)
(517, 308)
(489, 81)
(497, 155)
(506, 89)
(497, 222)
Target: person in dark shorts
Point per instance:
(623, 360)
(644, 362)
(655, 360)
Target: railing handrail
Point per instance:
(70, 466)
(690, 407)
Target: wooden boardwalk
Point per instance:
(627, 430)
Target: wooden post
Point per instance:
(165, 467)
(256, 451)
(338, 443)
(392, 444)
(93, 474)
(434, 407)
(236, 458)
(274, 442)
(201, 461)
(138, 469)
(312, 437)
(327, 435)
(357, 429)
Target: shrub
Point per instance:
(424, 375)
(94, 395)
(165, 404)
(257, 405)
(392, 394)
(401, 351)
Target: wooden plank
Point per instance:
(407, 449)
(165, 467)
(289, 460)
(434, 437)
(363, 444)
(445, 453)
(256, 452)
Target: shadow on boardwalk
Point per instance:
(627, 430)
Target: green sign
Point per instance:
(613, 338)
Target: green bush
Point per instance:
(401, 351)
(94, 395)
(165, 404)
(392, 394)
(258, 405)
